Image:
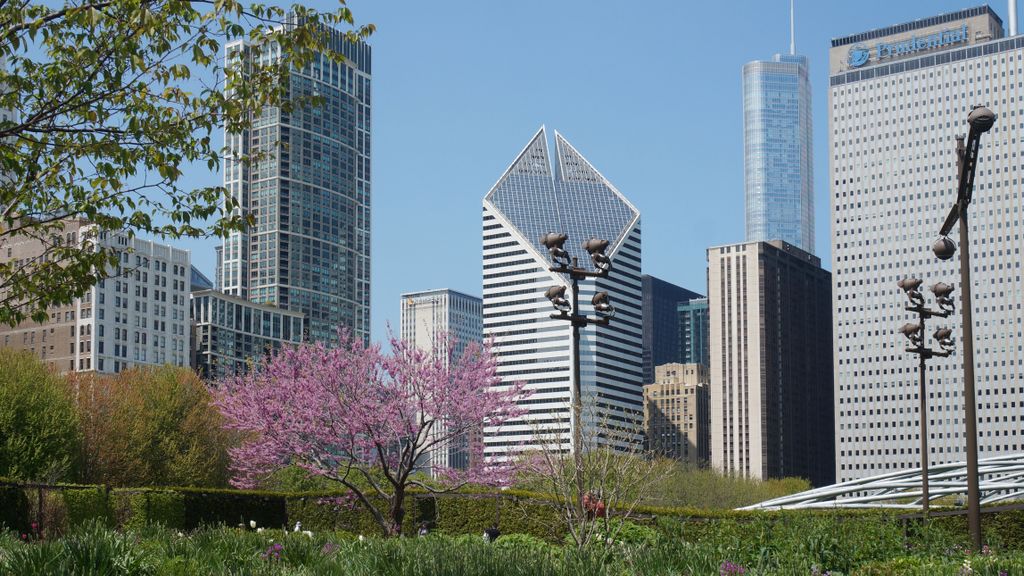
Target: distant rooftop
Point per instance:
(917, 25)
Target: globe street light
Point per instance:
(980, 120)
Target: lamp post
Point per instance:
(915, 333)
(981, 120)
(570, 312)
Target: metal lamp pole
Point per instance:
(981, 120)
(915, 332)
(570, 312)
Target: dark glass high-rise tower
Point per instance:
(661, 322)
(777, 151)
(309, 246)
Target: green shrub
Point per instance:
(83, 505)
(14, 509)
(524, 544)
(39, 430)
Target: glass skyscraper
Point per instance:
(661, 322)
(532, 198)
(694, 341)
(309, 247)
(777, 151)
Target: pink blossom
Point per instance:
(352, 413)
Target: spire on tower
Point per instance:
(792, 36)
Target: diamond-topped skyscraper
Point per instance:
(532, 198)
(309, 246)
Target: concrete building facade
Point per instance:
(677, 420)
(136, 316)
(771, 371)
(898, 96)
(426, 316)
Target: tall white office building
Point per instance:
(137, 316)
(530, 199)
(427, 318)
(898, 96)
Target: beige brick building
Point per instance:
(676, 413)
(136, 316)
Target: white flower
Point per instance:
(307, 533)
(298, 527)
(252, 524)
(609, 541)
(259, 530)
(180, 535)
(362, 538)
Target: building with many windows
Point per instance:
(778, 152)
(661, 322)
(309, 247)
(677, 423)
(694, 340)
(771, 372)
(232, 334)
(427, 316)
(898, 97)
(532, 198)
(426, 319)
(137, 316)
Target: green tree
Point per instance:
(39, 434)
(151, 427)
(106, 100)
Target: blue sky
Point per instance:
(648, 91)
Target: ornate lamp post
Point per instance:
(569, 311)
(915, 333)
(981, 120)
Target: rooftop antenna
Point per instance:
(1013, 17)
(792, 36)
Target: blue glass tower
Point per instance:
(309, 246)
(777, 151)
(694, 332)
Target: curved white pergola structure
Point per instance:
(1001, 478)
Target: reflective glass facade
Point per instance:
(661, 322)
(694, 341)
(309, 249)
(777, 147)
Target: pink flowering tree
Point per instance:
(369, 420)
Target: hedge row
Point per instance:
(464, 512)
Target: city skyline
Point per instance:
(430, 161)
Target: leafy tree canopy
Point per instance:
(106, 100)
(39, 434)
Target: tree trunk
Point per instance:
(397, 511)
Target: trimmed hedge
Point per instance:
(463, 512)
(136, 509)
(233, 507)
(85, 504)
(14, 508)
(336, 512)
